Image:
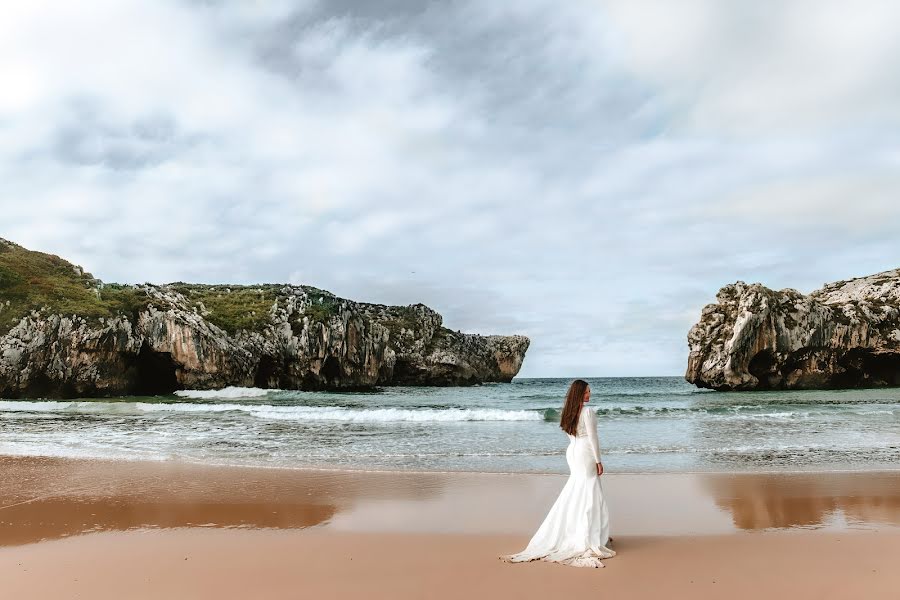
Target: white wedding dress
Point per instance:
(576, 530)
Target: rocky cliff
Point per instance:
(64, 333)
(845, 335)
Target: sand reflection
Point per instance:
(42, 499)
(46, 499)
(815, 500)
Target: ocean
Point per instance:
(648, 424)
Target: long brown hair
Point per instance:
(568, 420)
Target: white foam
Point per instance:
(36, 405)
(227, 392)
(279, 413)
(66, 448)
(388, 415)
(187, 407)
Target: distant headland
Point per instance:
(845, 335)
(64, 334)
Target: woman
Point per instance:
(576, 530)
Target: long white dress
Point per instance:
(576, 530)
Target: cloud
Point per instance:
(767, 66)
(586, 174)
(858, 205)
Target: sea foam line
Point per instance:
(226, 392)
(279, 413)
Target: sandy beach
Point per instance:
(97, 529)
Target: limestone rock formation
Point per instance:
(64, 333)
(845, 335)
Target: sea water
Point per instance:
(656, 424)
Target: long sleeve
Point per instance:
(590, 423)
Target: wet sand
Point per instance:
(96, 529)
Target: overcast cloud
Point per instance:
(585, 173)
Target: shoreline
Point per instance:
(880, 469)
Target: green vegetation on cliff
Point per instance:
(323, 305)
(34, 280)
(37, 281)
(231, 307)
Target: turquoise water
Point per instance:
(659, 424)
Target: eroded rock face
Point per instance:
(307, 339)
(845, 335)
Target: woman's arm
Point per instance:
(591, 426)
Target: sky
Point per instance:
(588, 174)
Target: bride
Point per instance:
(576, 530)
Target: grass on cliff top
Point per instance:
(231, 307)
(236, 307)
(322, 305)
(32, 280)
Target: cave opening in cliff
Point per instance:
(762, 366)
(884, 368)
(155, 373)
(331, 369)
(864, 368)
(265, 371)
(42, 386)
